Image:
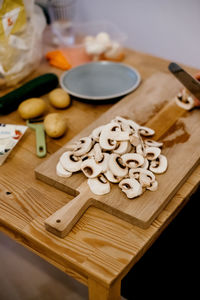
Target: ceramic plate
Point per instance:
(100, 80)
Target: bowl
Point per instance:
(73, 34)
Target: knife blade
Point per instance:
(192, 84)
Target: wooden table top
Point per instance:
(100, 248)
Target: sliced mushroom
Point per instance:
(116, 133)
(112, 178)
(146, 131)
(145, 164)
(159, 165)
(105, 140)
(186, 104)
(146, 178)
(60, 171)
(131, 187)
(152, 143)
(116, 152)
(84, 146)
(133, 126)
(140, 149)
(99, 185)
(116, 165)
(119, 135)
(120, 120)
(113, 127)
(90, 168)
(152, 152)
(89, 154)
(134, 139)
(96, 133)
(153, 186)
(103, 163)
(98, 155)
(70, 162)
(132, 160)
(122, 147)
(135, 173)
(125, 127)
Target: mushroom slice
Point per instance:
(116, 133)
(134, 139)
(112, 178)
(153, 186)
(96, 133)
(146, 178)
(120, 136)
(133, 126)
(135, 173)
(113, 127)
(105, 140)
(60, 171)
(125, 127)
(98, 155)
(120, 120)
(84, 146)
(140, 149)
(131, 187)
(186, 104)
(99, 185)
(116, 165)
(103, 163)
(89, 154)
(152, 152)
(122, 147)
(145, 164)
(132, 160)
(152, 143)
(70, 162)
(90, 168)
(159, 165)
(146, 131)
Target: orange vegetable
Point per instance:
(58, 60)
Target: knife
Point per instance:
(190, 83)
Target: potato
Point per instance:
(59, 98)
(55, 125)
(32, 108)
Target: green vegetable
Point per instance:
(34, 88)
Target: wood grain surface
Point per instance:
(100, 247)
(183, 156)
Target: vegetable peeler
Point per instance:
(40, 136)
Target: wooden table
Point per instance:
(100, 249)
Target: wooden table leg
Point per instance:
(100, 292)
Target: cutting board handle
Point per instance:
(61, 222)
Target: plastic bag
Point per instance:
(21, 27)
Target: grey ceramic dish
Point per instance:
(100, 80)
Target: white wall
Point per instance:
(166, 28)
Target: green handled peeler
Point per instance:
(40, 136)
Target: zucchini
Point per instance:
(32, 89)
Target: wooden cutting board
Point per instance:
(152, 105)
